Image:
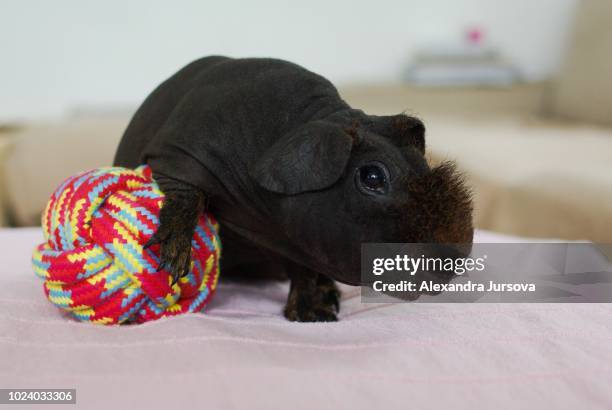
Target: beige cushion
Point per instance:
(539, 179)
(584, 86)
(5, 145)
(45, 154)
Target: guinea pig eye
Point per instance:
(372, 179)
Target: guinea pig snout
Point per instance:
(438, 208)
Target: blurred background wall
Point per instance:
(63, 53)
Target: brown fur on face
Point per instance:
(438, 207)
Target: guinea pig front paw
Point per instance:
(320, 303)
(177, 221)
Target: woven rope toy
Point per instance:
(93, 261)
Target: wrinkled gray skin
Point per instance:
(278, 157)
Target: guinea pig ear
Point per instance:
(308, 159)
(402, 129)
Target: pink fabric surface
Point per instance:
(241, 353)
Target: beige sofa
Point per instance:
(37, 157)
(531, 177)
(534, 173)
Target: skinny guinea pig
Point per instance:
(296, 177)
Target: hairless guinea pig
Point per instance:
(296, 177)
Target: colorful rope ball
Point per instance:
(94, 263)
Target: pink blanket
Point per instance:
(241, 353)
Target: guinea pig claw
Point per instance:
(153, 240)
(178, 273)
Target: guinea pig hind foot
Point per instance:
(312, 298)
